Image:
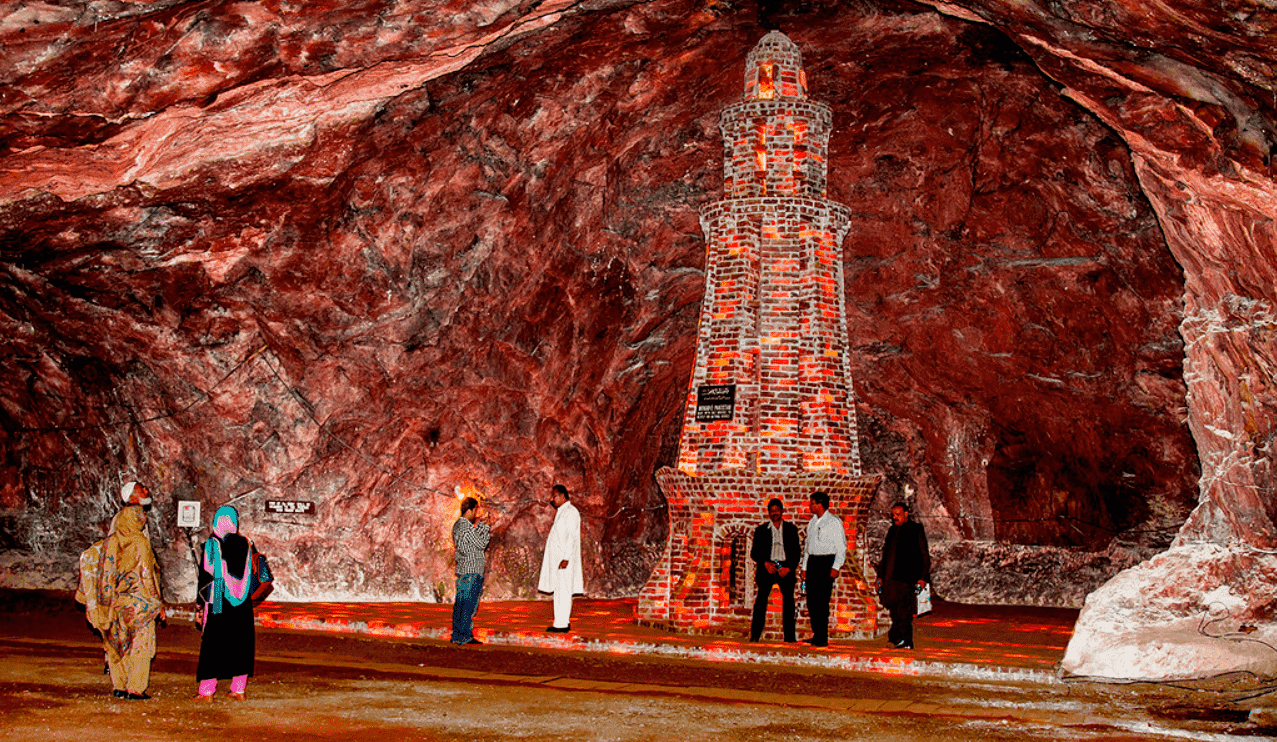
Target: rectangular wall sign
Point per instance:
(715, 402)
(290, 507)
(188, 513)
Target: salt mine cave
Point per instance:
(369, 255)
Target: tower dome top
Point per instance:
(774, 69)
(776, 40)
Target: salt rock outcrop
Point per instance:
(367, 253)
(1190, 612)
(1198, 116)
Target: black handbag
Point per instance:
(203, 590)
(262, 582)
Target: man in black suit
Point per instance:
(775, 553)
(904, 569)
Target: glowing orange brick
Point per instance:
(771, 326)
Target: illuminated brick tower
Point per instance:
(770, 409)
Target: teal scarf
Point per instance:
(226, 586)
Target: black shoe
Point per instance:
(902, 645)
(120, 694)
(473, 641)
(816, 643)
(557, 630)
(138, 697)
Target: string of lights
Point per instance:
(518, 508)
(206, 395)
(1054, 519)
(323, 428)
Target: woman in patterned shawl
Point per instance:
(125, 603)
(226, 582)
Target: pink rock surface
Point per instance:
(1197, 115)
(363, 253)
(1190, 612)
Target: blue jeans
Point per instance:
(469, 587)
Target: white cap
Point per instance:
(130, 497)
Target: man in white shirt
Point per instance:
(823, 556)
(561, 563)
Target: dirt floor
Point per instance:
(317, 686)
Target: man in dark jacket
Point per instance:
(775, 553)
(904, 568)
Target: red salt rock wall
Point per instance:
(1198, 117)
(364, 254)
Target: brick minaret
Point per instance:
(770, 409)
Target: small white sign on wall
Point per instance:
(188, 513)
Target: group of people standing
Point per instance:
(903, 569)
(120, 589)
(561, 573)
(780, 561)
(120, 584)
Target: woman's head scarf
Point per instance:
(127, 548)
(225, 520)
(130, 496)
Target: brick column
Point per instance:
(773, 330)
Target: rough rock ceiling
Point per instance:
(362, 253)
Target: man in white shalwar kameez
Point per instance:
(561, 564)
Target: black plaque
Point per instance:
(290, 507)
(715, 402)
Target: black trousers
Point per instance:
(820, 588)
(765, 580)
(901, 602)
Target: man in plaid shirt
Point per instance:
(470, 538)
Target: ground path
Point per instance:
(322, 685)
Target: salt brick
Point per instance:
(800, 232)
